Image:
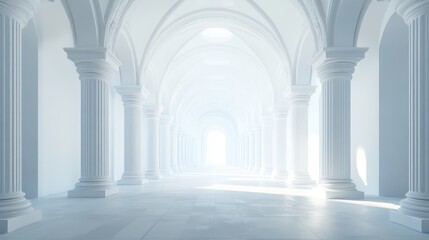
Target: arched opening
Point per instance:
(216, 148)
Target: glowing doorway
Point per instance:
(216, 148)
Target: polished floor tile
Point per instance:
(213, 204)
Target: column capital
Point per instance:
(166, 119)
(94, 63)
(132, 94)
(280, 111)
(338, 63)
(300, 95)
(411, 9)
(20, 10)
(152, 111)
(267, 120)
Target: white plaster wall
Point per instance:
(30, 83)
(394, 109)
(365, 104)
(59, 103)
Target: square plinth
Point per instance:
(415, 223)
(93, 193)
(11, 224)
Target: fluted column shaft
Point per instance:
(165, 146)
(267, 145)
(96, 68)
(246, 151)
(252, 150)
(14, 15)
(335, 68)
(179, 149)
(258, 149)
(152, 114)
(173, 155)
(133, 100)
(414, 211)
(280, 114)
(299, 98)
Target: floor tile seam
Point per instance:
(159, 219)
(308, 229)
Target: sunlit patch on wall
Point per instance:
(361, 165)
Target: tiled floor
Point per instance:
(213, 205)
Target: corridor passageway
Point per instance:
(214, 119)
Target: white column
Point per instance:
(280, 114)
(152, 168)
(165, 145)
(15, 210)
(133, 100)
(96, 68)
(173, 155)
(179, 149)
(414, 211)
(251, 149)
(242, 151)
(267, 145)
(258, 149)
(299, 98)
(246, 151)
(335, 68)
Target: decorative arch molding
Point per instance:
(95, 27)
(190, 56)
(243, 21)
(303, 58)
(341, 16)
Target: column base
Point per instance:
(415, 223)
(330, 194)
(92, 193)
(132, 181)
(302, 182)
(280, 175)
(152, 175)
(266, 171)
(299, 179)
(11, 224)
(338, 189)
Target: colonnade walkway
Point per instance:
(217, 203)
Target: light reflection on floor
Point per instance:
(213, 204)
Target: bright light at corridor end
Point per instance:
(217, 35)
(216, 148)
